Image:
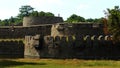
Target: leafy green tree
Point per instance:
(0, 22)
(49, 14)
(101, 20)
(90, 20)
(114, 22)
(41, 13)
(11, 21)
(34, 13)
(96, 20)
(75, 19)
(26, 10)
(6, 22)
(17, 21)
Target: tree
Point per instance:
(11, 20)
(96, 20)
(34, 13)
(75, 18)
(26, 10)
(49, 14)
(45, 14)
(0, 22)
(90, 20)
(5, 22)
(41, 13)
(114, 22)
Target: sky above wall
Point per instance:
(84, 8)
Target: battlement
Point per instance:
(80, 37)
(67, 46)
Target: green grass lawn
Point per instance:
(57, 63)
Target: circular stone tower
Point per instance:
(29, 21)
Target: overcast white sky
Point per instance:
(84, 8)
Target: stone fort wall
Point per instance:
(21, 32)
(66, 29)
(85, 47)
(62, 29)
(11, 48)
(57, 40)
(63, 39)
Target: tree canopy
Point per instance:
(75, 19)
(114, 22)
(23, 11)
(26, 10)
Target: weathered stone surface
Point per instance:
(32, 46)
(28, 21)
(11, 49)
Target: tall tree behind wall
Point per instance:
(75, 19)
(26, 10)
(114, 22)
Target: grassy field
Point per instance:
(57, 63)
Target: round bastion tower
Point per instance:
(30, 21)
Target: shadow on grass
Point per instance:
(11, 63)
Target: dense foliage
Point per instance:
(114, 22)
(26, 10)
(29, 11)
(77, 19)
(23, 11)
